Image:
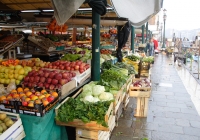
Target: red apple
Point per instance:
(51, 75)
(76, 67)
(42, 79)
(31, 79)
(37, 79)
(25, 103)
(50, 98)
(58, 76)
(68, 68)
(49, 80)
(65, 75)
(46, 74)
(26, 79)
(40, 84)
(52, 87)
(54, 81)
(63, 81)
(46, 85)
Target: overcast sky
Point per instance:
(182, 14)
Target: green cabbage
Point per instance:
(106, 96)
(97, 90)
(89, 98)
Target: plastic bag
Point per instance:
(2, 89)
(11, 87)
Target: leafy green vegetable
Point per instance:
(149, 59)
(130, 68)
(133, 57)
(76, 109)
(71, 57)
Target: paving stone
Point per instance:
(137, 124)
(182, 122)
(163, 93)
(165, 100)
(192, 131)
(157, 114)
(181, 94)
(120, 137)
(164, 120)
(123, 130)
(154, 95)
(156, 135)
(195, 124)
(189, 111)
(183, 98)
(124, 123)
(186, 116)
(170, 97)
(161, 103)
(172, 109)
(138, 133)
(177, 105)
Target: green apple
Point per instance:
(16, 71)
(12, 80)
(28, 68)
(2, 75)
(2, 81)
(6, 76)
(2, 69)
(20, 77)
(17, 82)
(12, 67)
(16, 75)
(6, 70)
(17, 67)
(21, 71)
(11, 76)
(7, 81)
(37, 59)
(26, 72)
(11, 71)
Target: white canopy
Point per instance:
(137, 11)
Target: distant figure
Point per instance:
(151, 48)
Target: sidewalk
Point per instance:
(173, 106)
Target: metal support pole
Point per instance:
(95, 69)
(132, 38)
(163, 46)
(146, 31)
(142, 34)
(198, 60)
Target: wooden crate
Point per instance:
(93, 125)
(142, 107)
(85, 134)
(139, 91)
(129, 81)
(16, 131)
(126, 101)
(119, 112)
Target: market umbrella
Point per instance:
(123, 34)
(99, 6)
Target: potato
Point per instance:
(6, 119)
(9, 123)
(4, 126)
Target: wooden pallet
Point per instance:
(142, 107)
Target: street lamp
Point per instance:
(164, 19)
(161, 27)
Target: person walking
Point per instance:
(151, 48)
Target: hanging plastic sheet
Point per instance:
(137, 11)
(64, 9)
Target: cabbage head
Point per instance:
(97, 90)
(89, 98)
(106, 96)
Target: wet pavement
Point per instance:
(174, 107)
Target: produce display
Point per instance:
(78, 53)
(142, 83)
(53, 26)
(130, 68)
(50, 79)
(69, 66)
(34, 63)
(29, 97)
(11, 38)
(13, 73)
(93, 93)
(5, 122)
(133, 57)
(10, 62)
(149, 59)
(112, 79)
(77, 109)
(105, 51)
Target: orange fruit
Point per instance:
(54, 94)
(47, 95)
(2, 97)
(27, 99)
(13, 91)
(21, 95)
(19, 89)
(45, 102)
(26, 89)
(9, 97)
(43, 91)
(31, 104)
(28, 93)
(15, 95)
